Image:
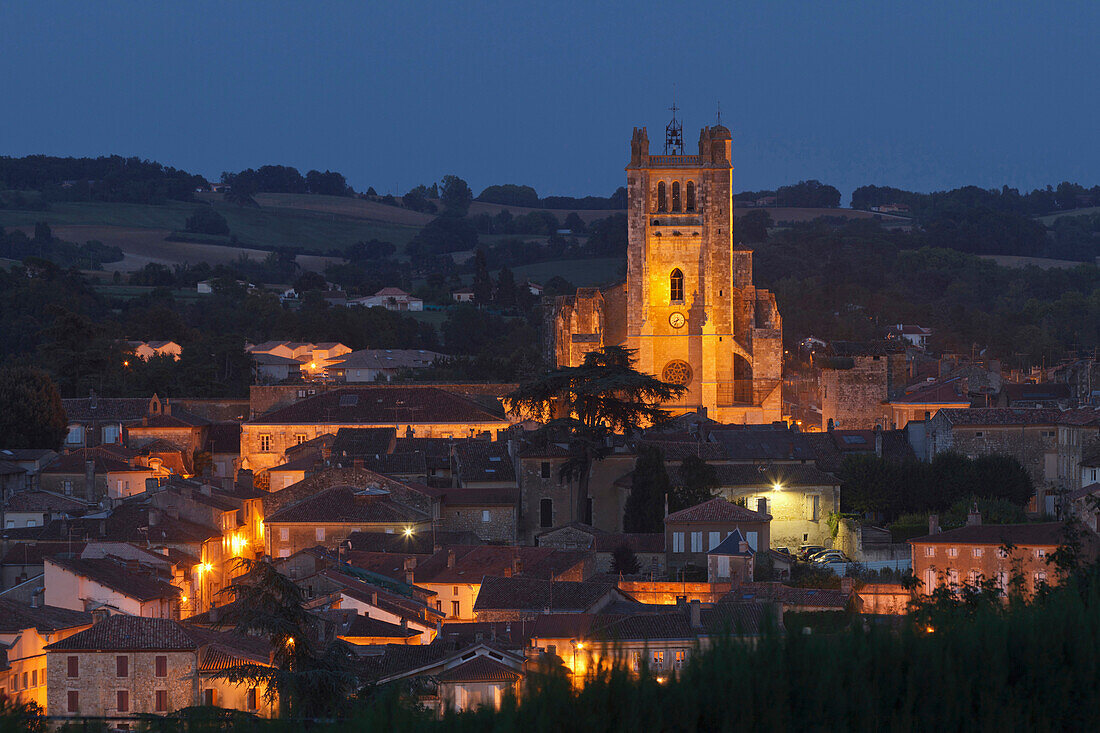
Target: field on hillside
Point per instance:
(1041, 262)
(582, 273)
(797, 214)
(345, 206)
(1049, 219)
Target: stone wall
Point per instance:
(533, 488)
(98, 683)
(501, 527)
(1034, 446)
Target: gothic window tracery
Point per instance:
(676, 196)
(677, 372)
(676, 285)
(690, 205)
(662, 200)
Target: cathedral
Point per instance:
(688, 307)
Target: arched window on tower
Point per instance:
(662, 199)
(676, 286)
(676, 196)
(690, 196)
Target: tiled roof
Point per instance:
(1001, 416)
(533, 594)
(177, 419)
(383, 405)
(483, 461)
(116, 409)
(402, 464)
(938, 393)
(766, 443)
(471, 563)
(1043, 534)
(717, 510)
(398, 659)
(549, 450)
(140, 584)
(367, 626)
(1036, 392)
(358, 442)
(24, 454)
(832, 447)
(769, 474)
(31, 553)
(44, 501)
(678, 450)
(1080, 416)
(14, 617)
(480, 669)
(129, 633)
(865, 348)
(7, 468)
(403, 492)
(420, 543)
(348, 504)
(75, 462)
(407, 607)
(499, 496)
(387, 359)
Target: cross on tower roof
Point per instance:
(674, 134)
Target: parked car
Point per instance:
(805, 551)
(830, 556)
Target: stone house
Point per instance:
(38, 508)
(25, 630)
(127, 665)
(146, 350)
(455, 573)
(96, 420)
(857, 378)
(490, 513)
(380, 365)
(411, 410)
(1078, 442)
(648, 548)
(454, 678)
(330, 516)
(28, 461)
(798, 497)
(482, 465)
(1028, 435)
(977, 552)
(94, 473)
(731, 561)
(169, 424)
(223, 443)
(925, 399)
(693, 532)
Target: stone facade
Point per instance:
(97, 682)
(689, 308)
(854, 397)
(1033, 440)
(493, 523)
(539, 481)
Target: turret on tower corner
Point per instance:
(639, 148)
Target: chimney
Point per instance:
(743, 547)
(93, 400)
(410, 567)
(450, 558)
(154, 517)
(847, 585)
(167, 407)
(205, 489)
(878, 441)
(374, 598)
(696, 617)
(830, 425)
(974, 518)
(36, 596)
(762, 506)
(213, 613)
(357, 464)
(517, 564)
(933, 524)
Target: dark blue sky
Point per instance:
(921, 95)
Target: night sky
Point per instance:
(921, 95)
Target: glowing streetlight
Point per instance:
(408, 531)
(777, 486)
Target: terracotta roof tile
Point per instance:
(381, 405)
(1048, 534)
(717, 510)
(129, 633)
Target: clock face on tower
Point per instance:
(676, 320)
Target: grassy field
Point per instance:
(1041, 262)
(1049, 219)
(582, 273)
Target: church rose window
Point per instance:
(662, 201)
(677, 372)
(676, 196)
(676, 285)
(690, 196)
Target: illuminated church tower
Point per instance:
(688, 307)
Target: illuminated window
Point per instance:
(662, 201)
(929, 551)
(977, 552)
(299, 439)
(690, 196)
(319, 534)
(676, 196)
(658, 660)
(676, 286)
(680, 653)
(265, 442)
(952, 552)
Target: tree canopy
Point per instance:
(32, 415)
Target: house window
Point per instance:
(250, 701)
(815, 508)
(111, 433)
(696, 541)
(635, 661)
(953, 576)
(1040, 579)
(929, 579)
(68, 486)
(74, 667)
(972, 577)
(284, 534)
(1002, 553)
(680, 654)
(715, 538)
(161, 666)
(1002, 581)
(977, 552)
(676, 286)
(319, 534)
(1040, 553)
(952, 552)
(122, 701)
(658, 659)
(546, 512)
(73, 702)
(32, 523)
(209, 697)
(751, 540)
(455, 609)
(76, 435)
(929, 551)
(160, 701)
(299, 439)
(34, 678)
(265, 442)
(544, 469)
(285, 552)
(485, 515)
(979, 434)
(122, 666)
(439, 606)
(677, 541)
